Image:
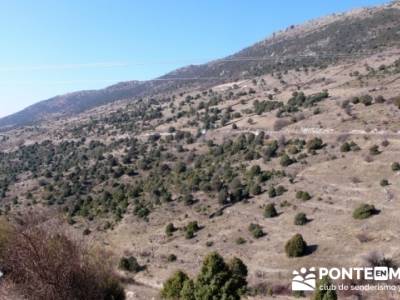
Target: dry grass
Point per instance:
(42, 264)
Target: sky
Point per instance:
(52, 47)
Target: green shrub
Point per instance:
(300, 219)
(240, 241)
(170, 229)
(299, 294)
(191, 229)
(189, 234)
(395, 166)
(384, 182)
(364, 211)
(193, 226)
(222, 196)
(280, 189)
(276, 191)
(296, 246)
(173, 286)
(270, 211)
(256, 230)
(374, 150)
(171, 258)
(272, 192)
(314, 144)
(302, 195)
(209, 243)
(255, 189)
(286, 160)
(216, 280)
(130, 264)
(188, 290)
(345, 147)
(323, 294)
(292, 149)
(366, 100)
(188, 199)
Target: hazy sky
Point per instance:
(52, 47)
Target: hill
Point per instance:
(239, 163)
(314, 44)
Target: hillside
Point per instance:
(318, 43)
(305, 141)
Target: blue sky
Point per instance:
(52, 47)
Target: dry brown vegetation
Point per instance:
(42, 263)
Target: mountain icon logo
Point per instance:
(305, 280)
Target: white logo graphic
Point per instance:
(303, 282)
(381, 273)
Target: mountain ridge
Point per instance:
(315, 43)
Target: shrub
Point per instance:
(191, 229)
(270, 211)
(170, 229)
(349, 146)
(384, 182)
(302, 195)
(193, 226)
(345, 147)
(171, 258)
(44, 264)
(216, 280)
(364, 211)
(395, 166)
(256, 230)
(324, 294)
(188, 289)
(300, 219)
(377, 259)
(314, 144)
(254, 171)
(240, 241)
(281, 123)
(296, 246)
(299, 294)
(255, 189)
(188, 199)
(129, 264)
(374, 150)
(272, 192)
(286, 160)
(223, 196)
(280, 189)
(366, 100)
(385, 143)
(173, 286)
(396, 101)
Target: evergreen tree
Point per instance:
(296, 246)
(322, 294)
(174, 285)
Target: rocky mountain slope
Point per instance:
(237, 165)
(317, 43)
